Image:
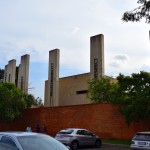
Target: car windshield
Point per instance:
(142, 137)
(65, 131)
(39, 142)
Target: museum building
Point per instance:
(72, 90)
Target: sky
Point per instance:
(35, 27)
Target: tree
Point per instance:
(1, 75)
(131, 94)
(34, 101)
(138, 13)
(134, 98)
(38, 102)
(12, 102)
(102, 89)
(30, 99)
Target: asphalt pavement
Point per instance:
(109, 147)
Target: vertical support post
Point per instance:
(97, 56)
(10, 71)
(23, 73)
(53, 78)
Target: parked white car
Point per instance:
(29, 141)
(76, 137)
(141, 140)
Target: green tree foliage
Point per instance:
(138, 13)
(34, 101)
(101, 89)
(134, 96)
(12, 102)
(1, 75)
(130, 93)
(38, 102)
(30, 100)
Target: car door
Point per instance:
(81, 138)
(89, 138)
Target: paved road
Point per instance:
(109, 147)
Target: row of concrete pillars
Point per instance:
(18, 75)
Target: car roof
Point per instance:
(74, 129)
(144, 132)
(14, 133)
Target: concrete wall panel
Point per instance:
(73, 90)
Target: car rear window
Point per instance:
(142, 137)
(65, 132)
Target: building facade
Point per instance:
(72, 90)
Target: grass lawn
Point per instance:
(124, 142)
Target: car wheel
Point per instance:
(74, 145)
(98, 143)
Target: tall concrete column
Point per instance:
(5, 73)
(23, 73)
(97, 56)
(46, 91)
(10, 71)
(53, 78)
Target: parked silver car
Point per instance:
(141, 140)
(75, 137)
(28, 141)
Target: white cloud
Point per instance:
(35, 27)
(75, 29)
(121, 57)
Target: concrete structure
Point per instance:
(19, 76)
(97, 56)
(23, 73)
(72, 90)
(53, 78)
(10, 71)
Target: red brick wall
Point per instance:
(102, 119)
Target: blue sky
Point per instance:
(36, 26)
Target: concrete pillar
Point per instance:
(46, 101)
(97, 56)
(23, 73)
(53, 78)
(5, 73)
(10, 71)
